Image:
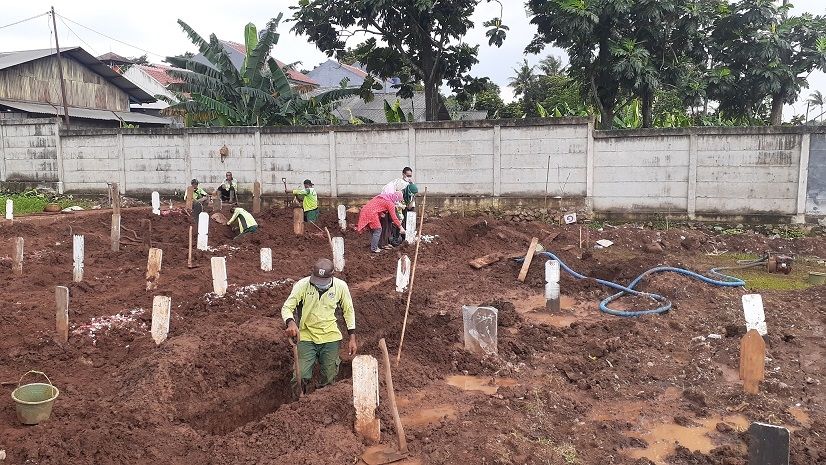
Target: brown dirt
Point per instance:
(590, 386)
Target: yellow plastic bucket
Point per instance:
(34, 401)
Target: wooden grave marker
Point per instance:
(528, 259)
(486, 260)
(161, 309)
(190, 197)
(115, 232)
(114, 194)
(480, 329)
(219, 275)
(62, 314)
(366, 397)
(77, 258)
(217, 204)
(256, 197)
(17, 256)
(146, 225)
(298, 221)
(752, 361)
(266, 259)
(153, 268)
(189, 255)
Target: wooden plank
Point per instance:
(219, 275)
(62, 314)
(190, 194)
(752, 361)
(528, 259)
(256, 197)
(487, 260)
(114, 191)
(161, 308)
(366, 397)
(298, 221)
(189, 256)
(146, 225)
(17, 256)
(153, 268)
(115, 232)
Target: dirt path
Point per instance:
(579, 387)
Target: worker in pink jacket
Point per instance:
(370, 215)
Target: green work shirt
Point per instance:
(310, 198)
(197, 194)
(318, 313)
(241, 213)
(227, 185)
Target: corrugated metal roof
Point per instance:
(9, 59)
(374, 110)
(86, 113)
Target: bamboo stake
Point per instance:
(412, 277)
(189, 257)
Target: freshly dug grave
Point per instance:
(578, 387)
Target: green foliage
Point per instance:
(257, 95)
(512, 110)
(419, 41)
(34, 201)
(395, 113)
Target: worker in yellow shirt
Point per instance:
(310, 201)
(310, 314)
(246, 223)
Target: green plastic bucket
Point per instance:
(34, 401)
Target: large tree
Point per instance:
(417, 41)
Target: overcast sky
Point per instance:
(150, 26)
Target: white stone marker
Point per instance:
(338, 254)
(153, 268)
(156, 203)
(753, 311)
(62, 314)
(9, 209)
(17, 256)
(366, 397)
(77, 256)
(552, 285)
(219, 275)
(402, 273)
(203, 230)
(342, 217)
(266, 259)
(161, 307)
(410, 228)
(480, 329)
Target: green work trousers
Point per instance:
(327, 357)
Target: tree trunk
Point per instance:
(647, 109)
(607, 116)
(777, 110)
(432, 101)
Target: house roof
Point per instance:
(237, 52)
(86, 113)
(10, 59)
(115, 58)
(374, 110)
(160, 74)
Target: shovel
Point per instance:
(297, 367)
(389, 455)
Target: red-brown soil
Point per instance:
(590, 388)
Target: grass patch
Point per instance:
(760, 280)
(34, 202)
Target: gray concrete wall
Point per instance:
(692, 172)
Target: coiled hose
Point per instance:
(726, 281)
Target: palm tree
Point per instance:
(522, 79)
(258, 94)
(816, 99)
(550, 65)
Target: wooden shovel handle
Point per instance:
(391, 397)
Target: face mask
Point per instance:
(408, 178)
(323, 288)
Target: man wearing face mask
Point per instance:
(310, 314)
(404, 185)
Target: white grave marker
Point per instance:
(342, 217)
(77, 257)
(480, 329)
(266, 259)
(156, 203)
(338, 254)
(161, 306)
(753, 311)
(402, 273)
(9, 209)
(410, 228)
(203, 230)
(219, 275)
(366, 397)
(552, 285)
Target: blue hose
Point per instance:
(727, 281)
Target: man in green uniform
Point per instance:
(310, 314)
(309, 202)
(228, 190)
(199, 198)
(246, 223)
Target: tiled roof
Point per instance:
(159, 73)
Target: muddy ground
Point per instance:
(575, 387)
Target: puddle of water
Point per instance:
(429, 415)
(533, 308)
(477, 383)
(663, 438)
(801, 416)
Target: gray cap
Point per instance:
(322, 272)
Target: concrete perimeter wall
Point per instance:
(694, 172)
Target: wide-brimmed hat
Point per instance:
(322, 272)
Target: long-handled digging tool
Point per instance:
(389, 455)
(412, 278)
(286, 193)
(297, 367)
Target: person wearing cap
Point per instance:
(310, 314)
(310, 201)
(199, 197)
(229, 189)
(246, 222)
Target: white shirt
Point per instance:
(395, 185)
